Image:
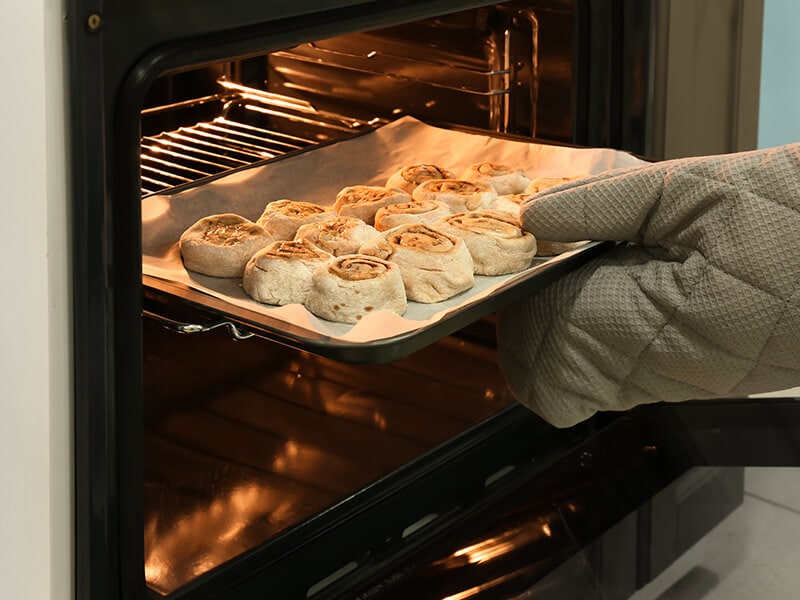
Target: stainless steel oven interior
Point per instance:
(238, 464)
(505, 69)
(247, 441)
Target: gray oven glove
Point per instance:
(701, 301)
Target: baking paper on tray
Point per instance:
(317, 176)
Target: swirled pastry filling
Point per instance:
(358, 267)
(424, 238)
(295, 250)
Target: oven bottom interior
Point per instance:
(417, 478)
(246, 439)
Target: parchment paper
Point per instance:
(317, 176)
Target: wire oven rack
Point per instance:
(253, 126)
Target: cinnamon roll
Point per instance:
(503, 178)
(408, 178)
(426, 211)
(540, 184)
(509, 203)
(342, 235)
(281, 272)
(435, 265)
(496, 242)
(352, 286)
(282, 218)
(220, 245)
(363, 201)
(458, 194)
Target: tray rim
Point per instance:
(381, 350)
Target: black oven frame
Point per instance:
(115, 52)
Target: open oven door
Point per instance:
(609, 465)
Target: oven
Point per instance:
(214, 458)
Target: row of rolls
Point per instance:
(421, 237)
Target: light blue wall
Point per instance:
(779, 110)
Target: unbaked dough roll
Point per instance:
(220, 245)
(435, 265)
(509, 203)
(426, 211)
(539, 184)
(458, 194)
(282, 218)
(352, 286)
(504, 179)
(281, 273)
(408, 178)
(495, 240)
(363, 201)
(342, 235)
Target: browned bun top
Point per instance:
(418, 236)
(300, 249)
(489, 222)
(335, 228)
(294, 208)
(494, 169)
(414, 208)
(358, 267)
(416, 174)
(357, 194)
(225, 229)
(454, 186)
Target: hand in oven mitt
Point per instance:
(702, 300)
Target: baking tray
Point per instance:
(316, 175)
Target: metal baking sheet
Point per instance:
(316, 176)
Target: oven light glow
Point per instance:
(495, 547)
(379, 421)
(290, 378)
(474, 591)
(286, 459)
(154, 570)
(191, 548)
(485, 551)
(359, 405)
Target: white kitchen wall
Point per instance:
(35, 467)
(779, 110)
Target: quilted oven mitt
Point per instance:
(701, 300)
